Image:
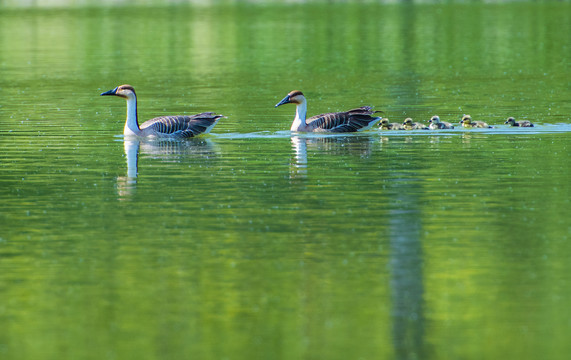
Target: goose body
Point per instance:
(358, 119)
(522, 123)
(410, 125)
(469, 123)
(386, 125)
(177, 126)
(436, 124)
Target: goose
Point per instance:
(522, 123)
(436, 124)
(386, 125)
(177, 126)
(349, 121)
(410, 125)
(467, 122)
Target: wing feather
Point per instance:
(348, 121)
(182, 126)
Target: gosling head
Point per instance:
(510, 121)
(435, 119)
(407, 121)
(124, 91)
(466, 119)
(384, 121)
(294, 97)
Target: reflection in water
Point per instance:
(126, 185)
(406, 272)
(298, 168)
(166, 150)
(329, 144)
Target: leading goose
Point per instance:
(177, 126)
(349, 121)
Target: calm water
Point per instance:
(255, 243)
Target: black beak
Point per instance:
(284, 101)
(110, 92)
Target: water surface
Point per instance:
(256, 243)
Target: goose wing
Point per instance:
(182, 126)
(348, 121)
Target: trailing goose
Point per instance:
(410, 125)
(522, 123)
(467, 122)
(436, 124)
(177, 126)
(386, 125)
(349, 121)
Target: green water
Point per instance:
(255, 243)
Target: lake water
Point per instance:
(257, 243)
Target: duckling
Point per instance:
(522, 123)
(358, 119)
(386, 125)
(467, 122)
(177, 126)
(435, 123)
(408, 124)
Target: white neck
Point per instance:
(300, 113)
(131, 125)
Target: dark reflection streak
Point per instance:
(405, 227)
(406, 272)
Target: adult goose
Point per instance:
(177, 126)
(349, 121)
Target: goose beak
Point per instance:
(110, 92)
(284, 101)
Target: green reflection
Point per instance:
(251, 243)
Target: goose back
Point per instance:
(347, 121)
(180, 126)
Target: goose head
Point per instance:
(407, 121)
(510, 121)
(466, 119)
(435, 119)
(124, 91)
(294, 97)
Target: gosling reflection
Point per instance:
(165, 150)
(360, 146)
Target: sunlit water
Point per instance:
(256, 243)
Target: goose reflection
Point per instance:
(360, 146)
(166, 150)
